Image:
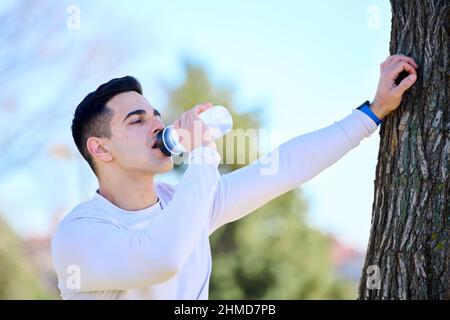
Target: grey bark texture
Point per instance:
(408, 251)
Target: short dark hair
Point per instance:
(92, 117)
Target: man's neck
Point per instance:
(129, 192)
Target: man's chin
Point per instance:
(164, 166)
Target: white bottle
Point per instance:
(217, 119)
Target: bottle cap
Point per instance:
(168, 142)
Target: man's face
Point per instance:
(134, 127)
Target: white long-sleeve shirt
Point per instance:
(162, 252)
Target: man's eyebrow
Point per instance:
(156, 113)
(141, 112)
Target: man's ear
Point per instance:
(98, 149)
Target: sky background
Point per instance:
(308, 63)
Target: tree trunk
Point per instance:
(408, 251)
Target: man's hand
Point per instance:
(192, 131)
(389, 94)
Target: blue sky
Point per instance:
(309, 63)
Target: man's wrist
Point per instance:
(365, 108)
(204, 155)
(377, 110)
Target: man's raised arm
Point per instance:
(303, 157)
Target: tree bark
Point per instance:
(409, 240)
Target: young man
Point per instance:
(138, 239)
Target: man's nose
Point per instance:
(158, 127)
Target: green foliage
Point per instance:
(272, 253)
(18, 280)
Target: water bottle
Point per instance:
(217, 119)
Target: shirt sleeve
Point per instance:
(113, 258)
(286, 167)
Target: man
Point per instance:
(139, 239)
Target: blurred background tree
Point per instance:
(272, 253)
(18, 279)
